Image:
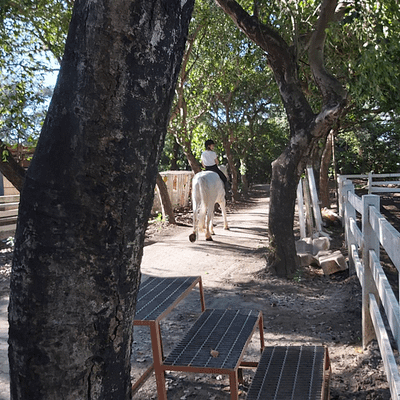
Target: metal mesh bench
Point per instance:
(291, 373)
(216, 343)
(157, 297)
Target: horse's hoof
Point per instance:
(209, 239)
(192, 237)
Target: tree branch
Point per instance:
(10, 168)
(332, 90)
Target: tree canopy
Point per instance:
(361, 45)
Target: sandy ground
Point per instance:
(309, 309)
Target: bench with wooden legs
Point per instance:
(216, 345)
(157, 297)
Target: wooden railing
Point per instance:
(374, 183)
(364, 258)
(8, 215)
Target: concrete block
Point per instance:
(304, 246)
(332, 263)
(319, 244)
(307, 259)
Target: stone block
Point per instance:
(304, 246)
(332, 263)
(320, 244)
(307, 259)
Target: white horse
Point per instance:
(207, 189)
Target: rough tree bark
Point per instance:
(306, 128)
(86, 200)
(166, 205)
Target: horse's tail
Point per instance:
(199, 196)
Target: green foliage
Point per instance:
(373, 147)
(228, 90)
(171, 153)
(32, 36)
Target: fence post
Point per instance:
(307, 204)
(314, 199)
(300, 207)
(371, 243)
(340, 198)
(349, 212)
(370, 182)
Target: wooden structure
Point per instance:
(8, 215)
(364, 258)
(179, 185)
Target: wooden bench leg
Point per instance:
(234, 384)
(157, 360)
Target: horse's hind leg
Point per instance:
(209, 224)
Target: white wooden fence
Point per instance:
(364, 257)
(179, 185)
(385, 183)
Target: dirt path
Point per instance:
(311, 309)
(218, 262)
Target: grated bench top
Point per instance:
(216, 341)
(290, 373)
(157, 296)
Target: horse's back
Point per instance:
(208, 178)
(208, 188)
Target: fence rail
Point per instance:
(8, 215)
(364, 258)
(389, 184)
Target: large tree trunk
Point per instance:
(306, 127)
(284, 260)
(86, 200)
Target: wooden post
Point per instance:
(315, 201)
(307, 203)
(349, 212)
(340, 196)
(300, 208)
(369, 182)
(371, 243)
